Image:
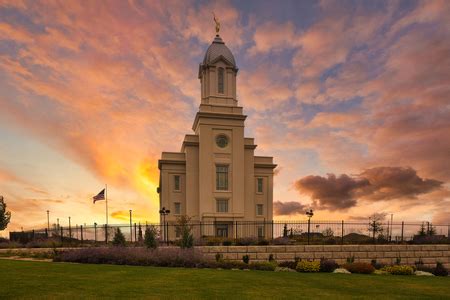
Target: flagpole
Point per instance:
(106, 198)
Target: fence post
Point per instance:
(201, 230)
(167, 233)
(236, 230)
(374, 229)
(81, 231)
(46, 233)
(272, 229)
(106, 234)
(95, 233)
(342, 233)
(309, 225)
(135, 233)
(403, 226)
(62, 238)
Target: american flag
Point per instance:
(100, 196)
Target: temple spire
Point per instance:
(216, 20)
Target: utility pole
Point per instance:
(131, 227)
(48, 220)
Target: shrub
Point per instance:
(245, 259)
(440, 270)
(281, 241)
(398, 270)
(119, 239)
(262, 266)
(328, 265)
(172, 257)
(398, 261)
(263, 242)
(308, 266)
(376, 264)
(150, 238)
(227, 242)
(288, 264)
(271, 257)
(350, 259)
(219, 256)
(246, 241)
(359, 268)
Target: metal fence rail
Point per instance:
(246, 232)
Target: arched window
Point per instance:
(220, 83)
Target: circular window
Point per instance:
(221, 141)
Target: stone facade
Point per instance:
(387, 254)
(216, 177)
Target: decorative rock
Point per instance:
(281, 269)
(422, 273)
(341, 271)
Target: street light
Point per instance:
(163, 212)
(131, 227)
(309, 214)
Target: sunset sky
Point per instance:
(350, 97)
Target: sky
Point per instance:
(350, 97)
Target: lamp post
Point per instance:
(131, 227)
(48, 220)
(70, 229)
(309, 214)
(163, 212)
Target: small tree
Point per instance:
(184, 227)
(5, 216)
(328, 232)
(150, 238)
(422, 231)
(119, 239)
(375, 224)
(285, 231)
(140, 233)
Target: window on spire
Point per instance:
(220, 81)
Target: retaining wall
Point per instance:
(388, 254)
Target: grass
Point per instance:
(28, 279)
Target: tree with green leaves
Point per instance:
(5, 216)
(150, 238)
(184, 228)
(119, 238)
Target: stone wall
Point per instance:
(388, 254)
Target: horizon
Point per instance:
(350, 98)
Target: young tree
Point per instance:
(5, 216)
(184, 227)
(432, 230)
(375, 224)
(119, 239)
(328, 232)
(150, 238)
(422, 231)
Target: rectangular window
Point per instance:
(177, 182)
(222, 205)
(260, 231)
(177, 208)
(259, 209)
(222, 178)
(220, 80)
(259, 185)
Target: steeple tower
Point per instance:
(217, 74)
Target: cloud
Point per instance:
(331, 192)
(288, 208)
(375, 184)
(442, 218)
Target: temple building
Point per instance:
(215, 178)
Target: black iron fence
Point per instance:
(249, 232)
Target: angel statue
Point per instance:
(217, 23)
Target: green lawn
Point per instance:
(23, 279)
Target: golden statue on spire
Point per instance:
(217, 23)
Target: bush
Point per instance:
(119, 239)
(359, 268)
(271, 257)
(219, 256)
(150, 238)
(246, 241)
(172, 257)
(399, 270)
(227, 242)
(288, 264)
(308, 266)
(245, 259)
(377, 265)
(328, 265)
(281, 241)
(263, 242)
(440, 270)
(262, 266)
